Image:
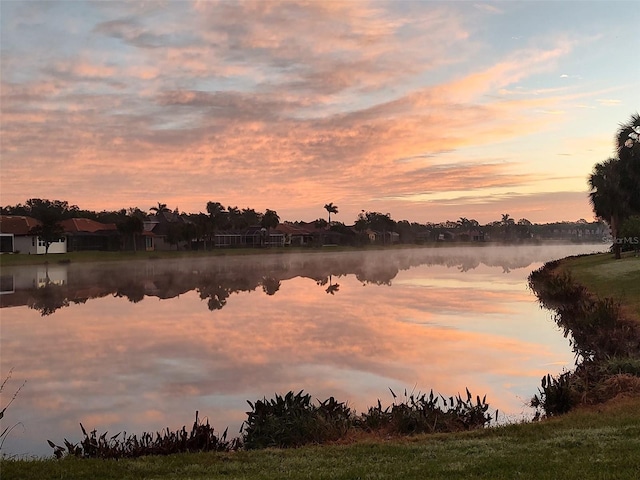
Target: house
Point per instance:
(87, 234)
(257, 236)
(297, 235)
(16, 235)
(163, 231)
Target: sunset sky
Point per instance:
(424, 110)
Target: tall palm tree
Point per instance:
(628, 147)
(628, 137)
(331, 208)
(607, 199)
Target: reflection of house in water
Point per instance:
(49, 287)
(18, 284)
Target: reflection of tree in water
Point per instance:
(216, 294)
(381, 275)
(333, 287)
(133, 291)
(270, 285)
(215, 281)
(49, 298)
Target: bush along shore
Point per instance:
(605, 343)
(294, 420)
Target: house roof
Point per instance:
(18, 225)
(86, 225)
(290, 229)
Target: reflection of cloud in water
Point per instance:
(117, 365)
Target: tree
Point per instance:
(320, 223)
(131, 225)
(236, 222)
(219, 216)
(270, 219)
(506, 225)
(331, 208)
(377, 221)
(49, 213)
(161, 208)
(251, 217)
(628, 148)
(466, 224)
(607, 198)
(630, 232)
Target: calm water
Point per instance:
(141, 347)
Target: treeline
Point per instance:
(220, 219)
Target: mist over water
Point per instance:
(142, 346)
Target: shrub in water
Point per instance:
(293, 420)
(201, 438)
(419, 413)
(555, 397)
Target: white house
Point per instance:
(16, 237)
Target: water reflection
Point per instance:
(229, 329)
(47, 288)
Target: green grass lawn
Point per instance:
(600, 442)
(587, 444)
(602, 274)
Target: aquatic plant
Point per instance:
(7, 430)
(419, 413)
(293, 420)
(201, 438)
(555, 397)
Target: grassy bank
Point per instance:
(601, 441)
(594, 443)
(619, 280)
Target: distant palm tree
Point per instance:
(270, 219)
(607, 198)
(331, 208)
(161, 208)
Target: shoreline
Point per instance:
(604, 331)
(15, 259)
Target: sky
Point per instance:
(428, 111)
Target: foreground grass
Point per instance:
(594, 443)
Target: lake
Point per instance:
(141, 346)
